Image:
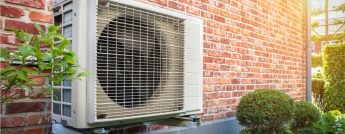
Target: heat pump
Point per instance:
(146, 63)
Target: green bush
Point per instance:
(334, 76)
(305, 114)
(265, 110)
(318, 90)
(316, 60)
(245, 131)
(309, 130)
(332, 122)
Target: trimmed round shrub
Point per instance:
(265, 110)
(305, 114)
(309, 130)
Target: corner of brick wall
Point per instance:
(30, 112)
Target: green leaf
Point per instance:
(42, 65)
(23, 50)
(48, 41)
(4, 53)
(60, 77)
(31, 71)
(59, 36)
(84, 74)
(55, 80)
(13, 30)
(63, 44)
(69, 59)
(69, 70)
(22, 75)
(40, 30)
(47, 56)
(6, 70)
(52, 28)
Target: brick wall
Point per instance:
(248, 44)
(30, 112)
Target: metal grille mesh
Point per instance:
(139, 62)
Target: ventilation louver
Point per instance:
(139, 62)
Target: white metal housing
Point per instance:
(90, 105)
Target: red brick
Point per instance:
(190, 2)
(224, 13)
(213, 9)
(236, 94)
(13, 93)
(207, 73)
(230, 114)
(12, 121)
(219, 4)
(192, 10)
(116, 131)
(39, 119)
(49, 105)
(28, 131)
(200, 5)
(218, 18)
(206, 14)
(234, 4)
(38, 93)
(208, 59)
(235, 30)
(41, 16)
(224, 68)
(162, 2)
(22, 107)
(50, 5)
(205, 1)
(219, 60)
(135, 129)
(235, 17)
(206, 118)
(0, 23)
(38, 79)
(29, 3)
(212, 24)
(154, 127)
(176, 5)
(11, 11)
(9, 39)
(30, 27)
(208, 30)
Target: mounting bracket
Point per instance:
(183, 121)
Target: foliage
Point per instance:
(265, 110)
(316, 60)
(245, 131)
(305, 114)
(334, 76)
(309, 130)
(316, 11)
(332, 122)
(318, 90)
(33, 61)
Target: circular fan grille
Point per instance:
(129, 60)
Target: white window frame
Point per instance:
(312, 46)
(322, 44)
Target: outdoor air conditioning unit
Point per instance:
(146, 63)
